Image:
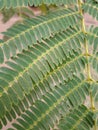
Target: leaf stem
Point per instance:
(89, 78)
(85, 41)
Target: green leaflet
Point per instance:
(94, 90)
(34, 30)
(93, 41)
(52, 104)
(2, 109)
(1, 56)
(37, 71)
(22, 3)
(45, 68)
(79, 119)
(91, 7)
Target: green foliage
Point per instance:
(91, 7)
(46, 68)
(19, 3)
(78, 119)
(36, 29)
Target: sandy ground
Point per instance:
(7, 25)
(89, 20)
